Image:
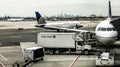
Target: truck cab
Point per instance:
(84, 48)
(84, 42)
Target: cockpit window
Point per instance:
(109, 29)
(106, 29)
(99, 29)
(103, 29)
(113, 29)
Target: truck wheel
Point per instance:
(51, 52)
(41, 58)
(86, 52)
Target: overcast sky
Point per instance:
(54, 7)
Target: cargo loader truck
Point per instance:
(64, 42)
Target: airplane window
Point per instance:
(99, 29)
(109, 29)
(103, 29)
(113, 29)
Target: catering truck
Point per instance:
(63, 42)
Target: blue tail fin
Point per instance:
(39, 18)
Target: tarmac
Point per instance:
(26, 31)
(66, 61)
(11, 54)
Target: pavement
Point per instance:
(11, 54)
(19, 31)
(66, 61)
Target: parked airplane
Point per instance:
(15, 19)
(107, 31)
(56, 26)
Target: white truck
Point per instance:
(63, 42)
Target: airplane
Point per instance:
(106, 32)
(15, 19)
(57, 25)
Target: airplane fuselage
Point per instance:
(15, 19)
(69, 25)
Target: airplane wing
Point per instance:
(116, 24)
(54, 28)
(39, 25)
(74, 30)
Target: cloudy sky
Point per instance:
(54, 7)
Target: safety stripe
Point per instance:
(1, 65)
(71, 65)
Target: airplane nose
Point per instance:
(107, 40)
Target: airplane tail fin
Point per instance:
(39, 18)
(109, 10)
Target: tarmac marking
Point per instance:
(2, 65)
(82, 58)
(3, 57)
(71, 65)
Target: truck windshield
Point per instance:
(79, 43)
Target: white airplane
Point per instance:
(15, 19)
(57, 25)
(107, 31)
